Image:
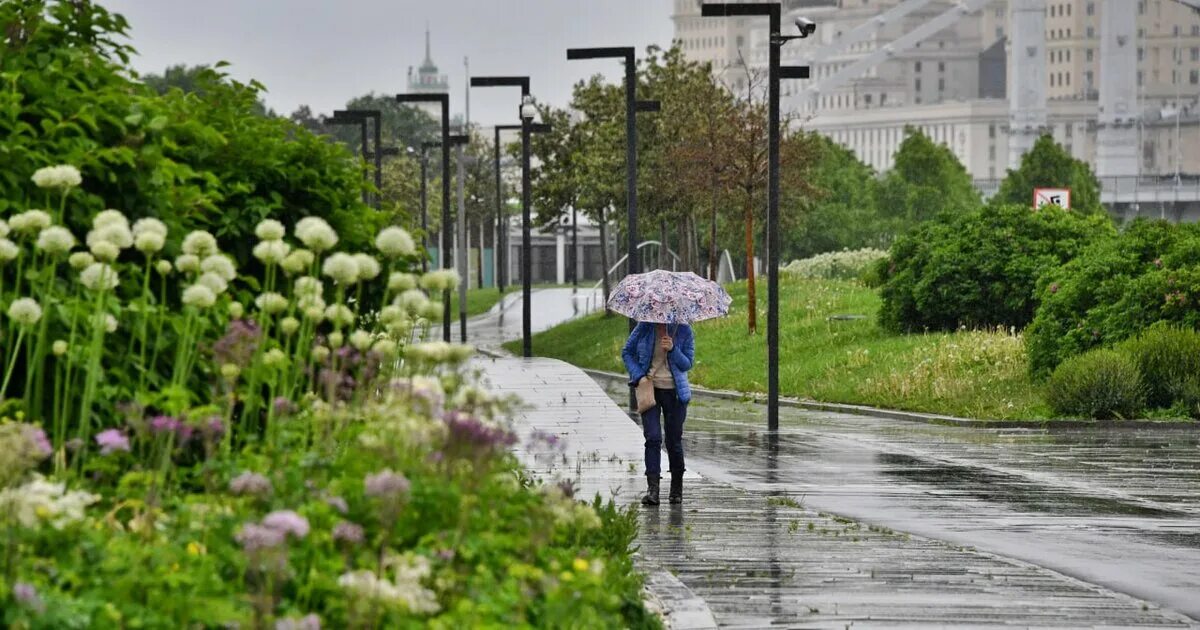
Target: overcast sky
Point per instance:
(324, 52)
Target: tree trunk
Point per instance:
(479, 264)
(604, 260)
(752, 305)
(681, 237)
(664, 247)
(712, 237)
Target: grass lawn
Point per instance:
(479, 301)
(978, 374)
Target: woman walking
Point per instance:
(662, 354)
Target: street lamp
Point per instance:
(459, 141)
(501, 216)
(424, 152)
(527, 113)
(775, 73)
(632, 107)
(360, 117)
(444, 101)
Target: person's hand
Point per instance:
(667, 343)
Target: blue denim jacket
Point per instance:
(639, 353)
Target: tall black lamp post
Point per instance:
(444, 101)
(772, 11)
(632, 107)
(527, 112)
(501, 216)
(359, 117)
(459, 141)
(424, 157)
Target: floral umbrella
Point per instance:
(669, 297)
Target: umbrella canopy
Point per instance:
(669, 297)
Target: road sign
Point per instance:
(1060, 197)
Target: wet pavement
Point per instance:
(847, 520)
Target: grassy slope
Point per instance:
(973, 374)
(479, 301)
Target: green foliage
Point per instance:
(207, 158)
(847, 265)
(1102, 384)
(1168, 358)
(1047, 165)
(842, 213)
(1115, 289)
(980, 268)
(926, 181)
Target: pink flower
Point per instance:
(163, 424)
(254, 537)
(338, 503)
(287, 522)
(250, 483)
(37, 440)
(348, 532)
(111, 441)
(386, 485)
(307, 622)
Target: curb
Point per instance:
(925, 418)
(674, 603)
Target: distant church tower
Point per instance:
(427, 80)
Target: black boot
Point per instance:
(651, 497)
(676, 495)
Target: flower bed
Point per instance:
(186, 444)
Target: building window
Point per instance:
(1141, 79)
(1141, 53)
(999, 32)
(992, 130)
(1194, 77)
(1068, 10)
(1091, 8)
(1067, 129)
(917, 67)
(941, 85)
(1087, 78)
(1196, 30)
(992, 153)
(917, 86)
(1068, 55)
(941, 66)
(1053, 10)
(1195, 54)
(1089, 54)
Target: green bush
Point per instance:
(1115, 289)
(1102, 384)
(1168, 358)
(206, 160)
(980, 268)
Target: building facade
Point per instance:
(428, 80)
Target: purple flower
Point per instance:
(386, 485)
(255, 537)
(568, 488)
(214, 427)
(471, 434)
(238, 344)
(308, 622)
(446, 555)
(27, 595)
(287, 522)
(348, 532)
(283, 406)
(111, 441)
(36, 438)
(163, 424)
(338, 503)
(250, 483)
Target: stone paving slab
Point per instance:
(760, 558)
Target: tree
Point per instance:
(842, 213)
(1047, 165)
(193, 80)
(926, 180)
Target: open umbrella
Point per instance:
(669, 297)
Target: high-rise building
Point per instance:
(958, 77)
(428, 80)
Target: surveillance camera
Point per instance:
(807, 27)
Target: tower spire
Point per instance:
(428, 48)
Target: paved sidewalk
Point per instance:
(745, 543)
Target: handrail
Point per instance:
(600, 283)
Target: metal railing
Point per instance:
(593, 300)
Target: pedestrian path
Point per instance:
(745, 543)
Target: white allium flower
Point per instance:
(314, 313)
(289, 325)
(306, 301)
(385, 347)
(299, 261)
(105, 251)
(163, 267)
(400, 281)
(361, 340)
(440, 280)
(99, 277)
(271, 303)
(394, 242)
(412, 300)
(274, 358)
(316, 234)
(368, 267)
(106, 218)
(149, 242)
(213, 281)
(390, 313)
(236, 310)
(59, 347)
(200, 244)
(59, 177)
(308, 285)
(4, 229)
(30, 221)
(25, 311)
(320, 353)
(339, 315)
(199, 296)
(336, 339)
(432, 311)
(149, 224)
(8, 250)
(221, 265)
(188, 263)
(80, 260)
(271, 252)
(55, 240)
(343, 268)
(113, 232)
(269, 230)
(110, 323)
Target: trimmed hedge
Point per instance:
(1102, 384)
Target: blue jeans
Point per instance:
(673, 412)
